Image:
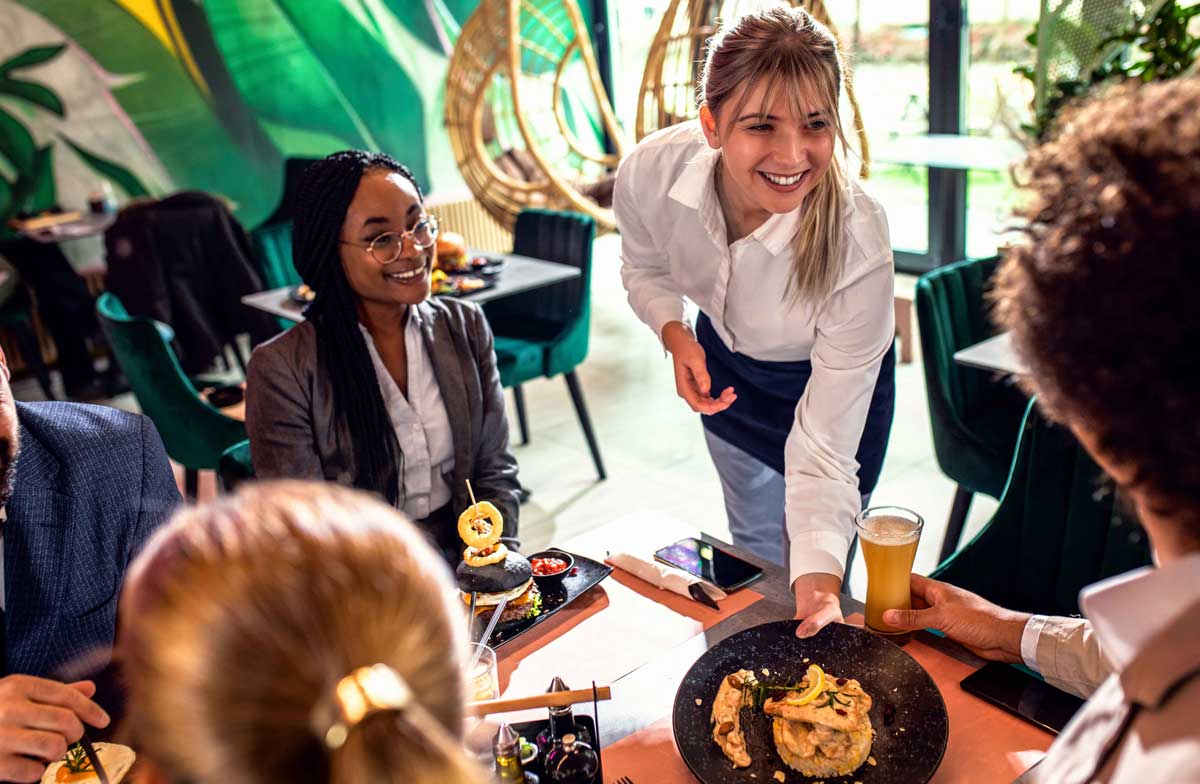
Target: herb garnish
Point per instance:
(76, 760)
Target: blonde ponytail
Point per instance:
(296, 632)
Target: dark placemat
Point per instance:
(907, 711)
(586, 574)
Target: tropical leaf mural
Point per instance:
(29, 180)
(160, 95)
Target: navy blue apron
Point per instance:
(767, 394)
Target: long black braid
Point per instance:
(322, 199)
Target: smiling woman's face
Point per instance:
(772, 155)
(385, 201)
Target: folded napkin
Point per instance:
(662, 576)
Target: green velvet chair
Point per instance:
(273, 250)
(1060, 526)
(544, 333)
(975, 416)
(236, 466)
(194, 432)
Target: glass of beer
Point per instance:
(889, 537)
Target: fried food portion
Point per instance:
(814, 750)
(726, 717)
(824, 727)
(841, 704)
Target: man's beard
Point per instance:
(8, 468)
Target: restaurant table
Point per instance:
(985, 743)
(85, 225)
(996, 354)
(948, 157)
(519, 273)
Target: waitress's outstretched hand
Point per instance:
(692, 381)
(818, 602)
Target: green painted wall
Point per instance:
(162, 95)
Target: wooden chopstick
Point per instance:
(556, 699)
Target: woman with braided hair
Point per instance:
(381, 387)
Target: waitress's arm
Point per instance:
(645, 270)
(494, 476)
(855, 329)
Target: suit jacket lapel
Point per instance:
(35, 567)
(442, 348)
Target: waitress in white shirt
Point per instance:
(750, 215)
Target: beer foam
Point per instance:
(889, 530)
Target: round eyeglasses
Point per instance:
(388, 246)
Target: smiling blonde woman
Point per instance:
(749, 213)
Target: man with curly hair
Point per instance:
(1103, 302)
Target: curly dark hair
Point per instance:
(1103, 296)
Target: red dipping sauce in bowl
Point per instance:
(547, 565)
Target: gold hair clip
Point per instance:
(363, 692)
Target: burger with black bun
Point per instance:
(493, 572)
(452, 252)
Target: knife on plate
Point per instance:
(699, 594)
(93, 757)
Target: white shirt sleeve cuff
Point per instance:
(818, 551)
(1029, 641)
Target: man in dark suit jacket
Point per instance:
(90, 486)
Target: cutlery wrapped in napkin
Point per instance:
(666, 577)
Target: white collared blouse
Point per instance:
(421, 424)
(674, 248)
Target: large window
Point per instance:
(997, 103)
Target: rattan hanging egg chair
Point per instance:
(676, 59)
(527, 113)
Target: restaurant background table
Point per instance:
(996, 354)
(519, 273)
(986, 743)
(948, 157)
(86, 225)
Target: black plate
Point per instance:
(589, 573)
(885, 671)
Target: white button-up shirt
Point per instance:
(674, 247)
(1138, 647)
(421, 424)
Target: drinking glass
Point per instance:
(889, 537)
(483, 681)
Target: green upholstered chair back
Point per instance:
(236, 465)
(1059, 527)
(975, 416)
(557, 316)
(194, 432)
(273, 248)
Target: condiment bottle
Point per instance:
(506, 748)
(562, 720)
(572, 762)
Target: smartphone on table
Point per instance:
(1020, 693)
(710, 563)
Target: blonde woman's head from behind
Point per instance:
(294, 632)
(769, 101)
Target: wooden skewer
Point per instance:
(471, 493)
(555, 699)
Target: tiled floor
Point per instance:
(653, 446)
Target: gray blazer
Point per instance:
(294, 434)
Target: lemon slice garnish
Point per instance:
(816, 685)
